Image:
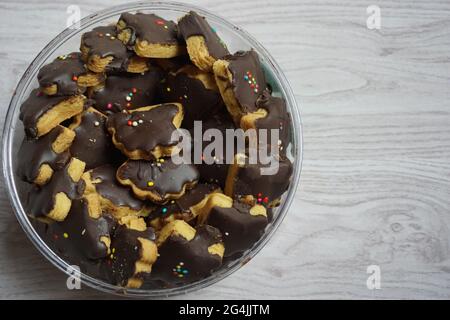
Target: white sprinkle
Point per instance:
(135, 123)
(108, 34)
(141, 121)
(128, 98)
(227, 234)
(96, 123)
(83, 232)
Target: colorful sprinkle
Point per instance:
(109, 105)
(150, 183)
(135, 123)
(108, 35)
(251, 81)
(130, 123)
(128, 98)
(128, 105)
(134, 90)
(168, 89)
(266, 199)
(164, 210)
(65, 235)
(96, 123)
(141, 121)
(180, 271)
(159, 22)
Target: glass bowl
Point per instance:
(68, 41)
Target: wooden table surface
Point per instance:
(375, 185)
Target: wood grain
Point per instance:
(375, 185)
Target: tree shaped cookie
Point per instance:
(180, 209)
(187, 254)
(146, 133)
(133, 252)
(150, 35)
(54, 199)
(241, 81)
(114, 197)
(104, 52)
(92, 142)
(203, 44)
(247, 181)
(39, 158)
(67, 75)
(196, 91)
(125, 91)
(159, 180)
(271, 114)
(41, 113)
(241, 224)
(85, 233)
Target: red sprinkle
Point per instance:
(128, 105)
(259, 195)
(159, 22)
(130, 123)
(74, 78)
(266, 199)
(134, 90)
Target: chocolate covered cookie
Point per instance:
(133, 252)
(146, 133)
(84, 233)
(186, 254)
(180, 209)
(54, 199)
(196, 91)
(271, 115)
(67, 75)
(39, 158)
(41, 113)
(149, 35)
(203, 44)
(241, 81)
(241, 225)
(159, 180)
(248, 182)
(92, 142)
(104, 52)
(126, 91)
(114, 198)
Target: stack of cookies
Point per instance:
(105, 192)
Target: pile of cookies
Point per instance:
(104, 191)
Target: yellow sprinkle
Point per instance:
(150, 183)
(65, 235)
(168, 89)
(113, 250)
(161, 160)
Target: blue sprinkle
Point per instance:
(185, 271)
(245, 78)
(164, 210)
(214, 30)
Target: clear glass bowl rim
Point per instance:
(9, 127)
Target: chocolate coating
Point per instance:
(182, 205)
(62, 72)
(167, 177)
(127, 250)
(249, 181)
(150, 27)
(155, 130)
(277, 118)
(92, 143)
(215, 172)
(79, 234)
(199, 103)
(193, 24)
(194, 255)
(110, 189)
(103, 46)
(240, 230)
(112, 97)
(36, 105)
(35, 152)
(239, 64)
(42, 200)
